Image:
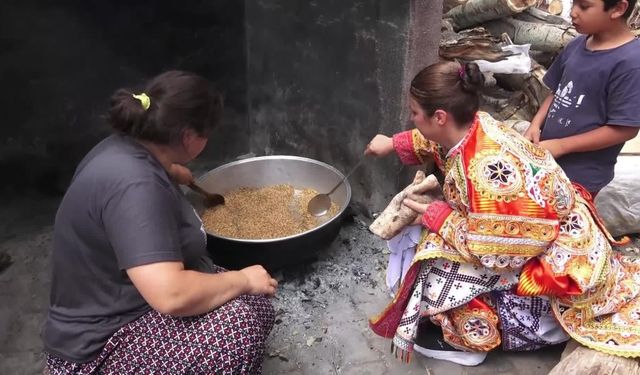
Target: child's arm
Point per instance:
(533, 133)
(551, 80)
(603, 137)
(410, 146)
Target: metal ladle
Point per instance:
(321, 203)
(210, 199)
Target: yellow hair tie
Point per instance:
(144, 100)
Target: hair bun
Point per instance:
(472, 78)
(125, 112)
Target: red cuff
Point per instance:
(403, 144)
(435, 215)
(537, 278)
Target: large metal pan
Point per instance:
(300, 172)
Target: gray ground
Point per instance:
(322, 308)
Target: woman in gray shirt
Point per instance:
(133, 288)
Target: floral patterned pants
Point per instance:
(228, 340)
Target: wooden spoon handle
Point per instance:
(195, 187)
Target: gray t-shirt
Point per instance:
(120, 211)
(592, 89)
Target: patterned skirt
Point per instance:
(228, 340)
(475, 307)
(478, 307)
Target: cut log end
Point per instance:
(582, 360)
(474, 12)
(555, 7)
(521, 5)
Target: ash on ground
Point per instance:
(322, 307)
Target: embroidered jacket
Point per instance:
(509, 204)
(512, 211)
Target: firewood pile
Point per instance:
(479, 29)
(634, 20)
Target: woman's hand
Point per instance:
(259, 281)
(431, 215)
(419, 208)
(533, 133)
(180, 174)
(380, 145)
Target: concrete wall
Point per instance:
(61, 60)
(316, 78)
(325, 76)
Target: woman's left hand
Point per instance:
(180, 174)
(430, 215)
(419, 208)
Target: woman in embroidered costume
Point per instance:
(516, 255)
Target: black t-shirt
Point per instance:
(121, 210)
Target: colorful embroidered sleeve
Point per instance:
(412, 148)
(435, 215)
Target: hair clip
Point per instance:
(144, 100)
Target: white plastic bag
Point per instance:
(619, 202)
(519, 63)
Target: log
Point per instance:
(522, 113)
(472, 44)
(446, 26)
(582, 360)
(543, 58)
(497, 98)
(498, 104)
(541, 36)
(489, 79)
(540, 16)
(506, 104)
(396, 215)
(475, 12)
(531, 84)
(519, 108)
(555, 7)
(447, 5)
(634, 19)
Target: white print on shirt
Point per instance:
(564, 98)
(563, 121)
(204, 232)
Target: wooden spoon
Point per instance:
(210, 199)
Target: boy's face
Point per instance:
(589, 16)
